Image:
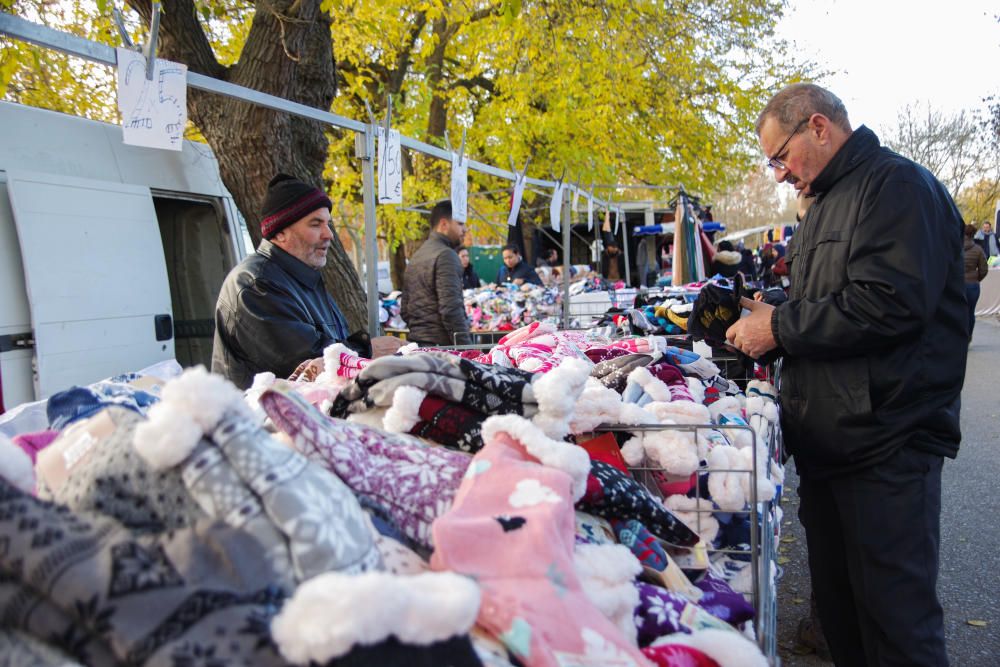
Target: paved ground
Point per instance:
(969, 583)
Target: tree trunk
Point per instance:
(288, 53)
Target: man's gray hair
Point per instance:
(794, 103)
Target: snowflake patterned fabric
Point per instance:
(614, 372)
(324, 525)
(481, 387)
(106, 596)
(614, 495)
(662, 612)
(413, 482)
(512, 528)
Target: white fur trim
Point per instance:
(16, 466)
(755, 405)
(633, 415)
(331, 357)
(634, 451)
(606, 572)
(728, 648)
(167, 437)
(261, 383)
(697, 390)
(725, 487)
(564, 456)
(726, 405)
(686, 509)
(653, 386)
(331, 613)
(765, 487)
(404, 413)
(558, 390)
(771, 412)
(409, 348)
(597, 405)
(554, 426)
(191, 405)
(674, 451)
(681, 412)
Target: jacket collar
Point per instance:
(443, 239)
(861, 145)
(296, 268)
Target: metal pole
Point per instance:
(628, 271)
(567, 222)
(364, 145)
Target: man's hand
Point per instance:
(518, 281)
(383, 346)
(752, 334)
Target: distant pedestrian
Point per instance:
(987, 240)
(470, 279)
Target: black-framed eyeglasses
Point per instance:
(775, 161)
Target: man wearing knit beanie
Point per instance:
(273, 310)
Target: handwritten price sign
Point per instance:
(390, 168)
(154, 113)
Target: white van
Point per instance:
(111, 256)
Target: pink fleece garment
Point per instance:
(512, 528)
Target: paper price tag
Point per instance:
(459, 188)
(590, 212)
(390, 168)
(154, 113)
(515, 204)
(555, 208)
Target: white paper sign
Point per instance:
(515, 204)
(590, 211)
(154, 113)
(459, 188)
(555, 208)
(576, 196)
(390, 168)
(618, 218)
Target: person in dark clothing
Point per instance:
(747, 266)
(612, 258)
(549, 258)
(470, 279)
(987, 240)
(727, 260)
(515, 270)
(874, 340)
(432, 305)
(976, 269)
(273, 310)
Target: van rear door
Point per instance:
(95, 277)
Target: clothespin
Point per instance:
(388, 115)
(149, 49)
(371, 115)
(522, 174)
(122, 32)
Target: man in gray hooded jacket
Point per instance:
(432, 306)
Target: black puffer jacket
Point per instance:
(433, 307)
(875, 330)
(272, 314)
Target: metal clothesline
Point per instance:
(46, 37)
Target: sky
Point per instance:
(885, 54)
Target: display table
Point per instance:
(989, 299)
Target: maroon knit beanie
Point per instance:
(288, 200)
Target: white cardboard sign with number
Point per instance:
(390, 168)
(154, 112)
(515, 204)
(459, 188)
(555, 208)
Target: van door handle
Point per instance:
(164, 327)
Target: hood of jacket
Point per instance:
(729, 257)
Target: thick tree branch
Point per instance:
(181, 36)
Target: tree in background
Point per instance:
(960, 149)
(755, 202)
(638, 91)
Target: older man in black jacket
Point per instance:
(433, 307)
(273, 310)
(874, 339)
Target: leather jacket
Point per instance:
(273, 313)
(874, 332)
